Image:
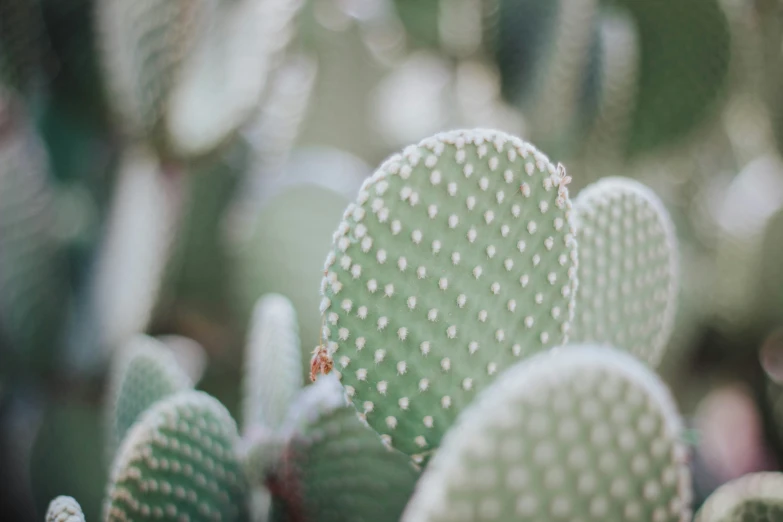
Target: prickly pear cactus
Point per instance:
(33, 270)
(334, 467)
(145, 372)
(64, 509)
(144, 46)
(628, 268)
(179, 462)
(577, 432)
(457, 259)
(756, 497)
(273, 362)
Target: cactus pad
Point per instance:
(145, 373)
(273, 365)
(457, 259)
(628, 268)
(756, 497)
(580, 432)
(335, 468)
(179, 462)
(64, 509)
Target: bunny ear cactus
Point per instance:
(64, 509)
(273, 363)
(457, 258)
(145, 372)
(628, 268)
(178, 462)
(581, 432)
(180, 71)
(33, 270)
(756, 497)
(335, 468)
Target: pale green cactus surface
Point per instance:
(179, 462)
(145, 372)
(628, 268)
(273, 364)
(64, 509)
(756, 497)
(577, 433)
(457, 259)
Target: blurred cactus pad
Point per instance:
(391, 260)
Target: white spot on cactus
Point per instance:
(484, 183)
(345, 361)
(531, 227)
(445, 364)
(361, 312)
(402, 367)
(372, 286)
(516, 210)
(379, 355)
(424, 384)
(428, 421)
(521, 245)
(477, 272)
(366, 244)
(368, 406)
(549, 243)
(461, 300)
(482, 316)
(511, 305)
(402, 333)
(382, 323)
(432, 314)
(508, 176)
(539, 298)
(500, 336)
(416, 236)
(544, 337)
(551, 277)
(404, 402)
(411, 302)
(491, 251)
(504, 230)
(388, 290)
(455, 258)
(396, 226)
(492, 368)
(382, 387)
(451, 332)
(420, 441)
(529, 168)
(452, 189)
(453, 221)
(473, 347)
(529, 321)
(435, 177)
(431, 161)
(432, 211)
(445, 402)
(361, 374)
(468, 170)
(508, 264)
(443, 283)
(391, 422)
(421, 272)
(342, 334)
(360, 343)
(470, 202)
(472, 235)
(325, 304)
(436, 246)
(424, 348)
(347, 305)
(495, 288)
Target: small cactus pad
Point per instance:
(273, 362)
(336, 469)
(628, 268)
(457, 259)
(179, 463)
(145, 372)
(64, 509)
(756, 497)
(580, 432)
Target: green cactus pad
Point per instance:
(64, 509)
(33, 269)
(144, 373)
(179, 462)
(579, 432)
(336, 469)
(273, 362)
(457, 259)
(756, 497)
(144, 45)
(628, 268)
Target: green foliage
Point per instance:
(64, 509)
(457, 259)
(628, 268)
(756, 497)
(580, 431)
(179, 460)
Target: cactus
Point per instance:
(273, 363)
(178, 460)
(578, 431)
(755, 497)
(33, 270)
(64, 509)
(628, 268)
(340, 470)
(457, 259)
(144, 373)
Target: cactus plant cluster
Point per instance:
(489, 353)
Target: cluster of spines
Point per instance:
(64, 509)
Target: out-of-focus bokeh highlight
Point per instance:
(163, 164)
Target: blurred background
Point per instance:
(165, 163)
